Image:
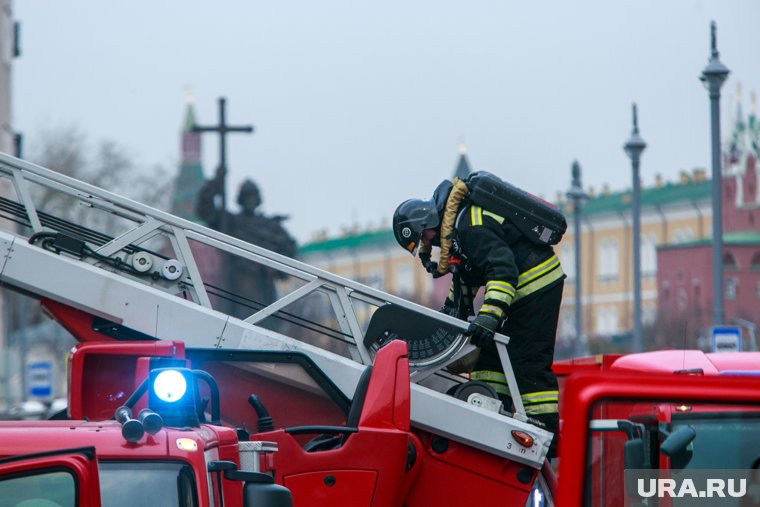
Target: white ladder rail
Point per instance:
(153, 307)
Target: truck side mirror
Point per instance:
(266, 494)
(634, 458)
(259, 489)
(677, 446)
(634, 455)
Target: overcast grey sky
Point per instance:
(359, 105)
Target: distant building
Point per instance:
(684, 282)
(671, 214)
(676, 217)
(190, 177)
(676, 225)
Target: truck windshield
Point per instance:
(725, 440)
(147, 484)
(671, 440)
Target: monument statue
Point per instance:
(252, 285)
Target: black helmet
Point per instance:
(441, 195)
(410, 219)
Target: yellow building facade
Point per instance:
(671, 213)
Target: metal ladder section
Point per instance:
(170, 300)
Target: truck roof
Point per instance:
(26, 437)
(668, 361)
(685, 361)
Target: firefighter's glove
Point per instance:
(430, 266)
(449, 308)
(482, 329)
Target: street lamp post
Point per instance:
(713, 77)
(577, 195)
(633, 148)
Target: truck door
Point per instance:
(64, 478)
(659, 440)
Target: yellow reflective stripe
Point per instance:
(500, 291)
(499, 295)
(496, 217)
(499, 285)
(540, 397)
(476, 215)
(541, 393)
(545, 408)
(496, 377)
(493, 310)
(499, 388)
(537, 271)
(540, 283)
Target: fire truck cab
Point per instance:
(147, 426)
(661, 416)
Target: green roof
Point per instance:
(734, 238)
(363, 239)
(692, 191)
(614, 202)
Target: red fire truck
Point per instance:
(177, 451)
(282, 420)
(344, 416)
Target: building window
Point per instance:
(754, 264)
(649, 255)
(648, 314)
(567, 257)
(732, 288)
(608, 260)
(682, 235)
(697, 289)
(567, 323)
(729, 262)
(682, 299)
(607, 320)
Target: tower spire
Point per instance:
(190, 176)
(463, 164)
(189, 109)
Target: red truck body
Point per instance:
(381, 462)
(606, 398)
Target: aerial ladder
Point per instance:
(140, 272)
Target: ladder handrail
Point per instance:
(148, 219)
(154, 307)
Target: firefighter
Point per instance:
(523, 289)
